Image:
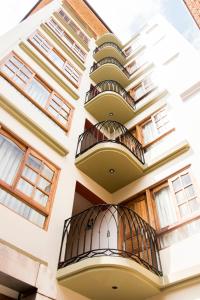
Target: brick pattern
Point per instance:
(85, 14)
(194, 8)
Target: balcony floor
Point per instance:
(109, 51)
(109, 102)
(96, 278)
(97, 161)
(109, 71)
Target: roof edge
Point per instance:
(85, 1)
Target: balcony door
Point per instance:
(135, 236)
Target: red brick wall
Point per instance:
(194, 8)
(93, 22)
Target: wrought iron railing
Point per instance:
(110, 131)
(109, 230)
(109, 44)
(110, 86)
(109, 60)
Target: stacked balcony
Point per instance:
(112, 242)
(109, 49)
(108, 99)
(109, 154)
(111, 69)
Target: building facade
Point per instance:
(194, 8)
(100, 159)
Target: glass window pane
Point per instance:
(47, 172)
(27, 72)
(10, 159)
(56, 99)
(190, 192)
(36, 218)
(38, 92)
(12, 66)
(16, 62)
(180, 233)
(29, 174)
(21, 208)
(55, 105)
(194, 205)
(34, 162)
(180, 197)
(44, 185)
(165, 207)
(66, 108)
(186, 180)
(148, 132)
(184, 210)
(25, 187)
(176, 184)
(40, 197)
(56, 58)
(64, 114)
(138, 92)
(53, 112)
(18, 81)
(62, 120)
(7, 71)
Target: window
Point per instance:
(176, 201)
(66, 39)
(40, 42)
(137, 63)
(172, 208)
(16, 71)
(155, 134)
(74, 26)
(128, 51)
(27, 180)
(155, 126)
(142, 89)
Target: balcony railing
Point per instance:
(110, 86)
(109, 60)
(109, 131)
(109, 230)
(109, 44)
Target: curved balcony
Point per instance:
(111, 69)
(109, 49)
(108, 37)
(109, 154)
(112, 242)
(109, 99)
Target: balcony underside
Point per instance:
(110, 102)
(98, 160)
(109, 51)
(108, 37)
(110, 278)
(109, 71)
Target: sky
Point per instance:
(124, 20)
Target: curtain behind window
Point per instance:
(165, 207)
(10, 159)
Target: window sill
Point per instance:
(63, 46)
(26, 47)
(76, 85)
(158, 138)
(28, 120)
(175, 226)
